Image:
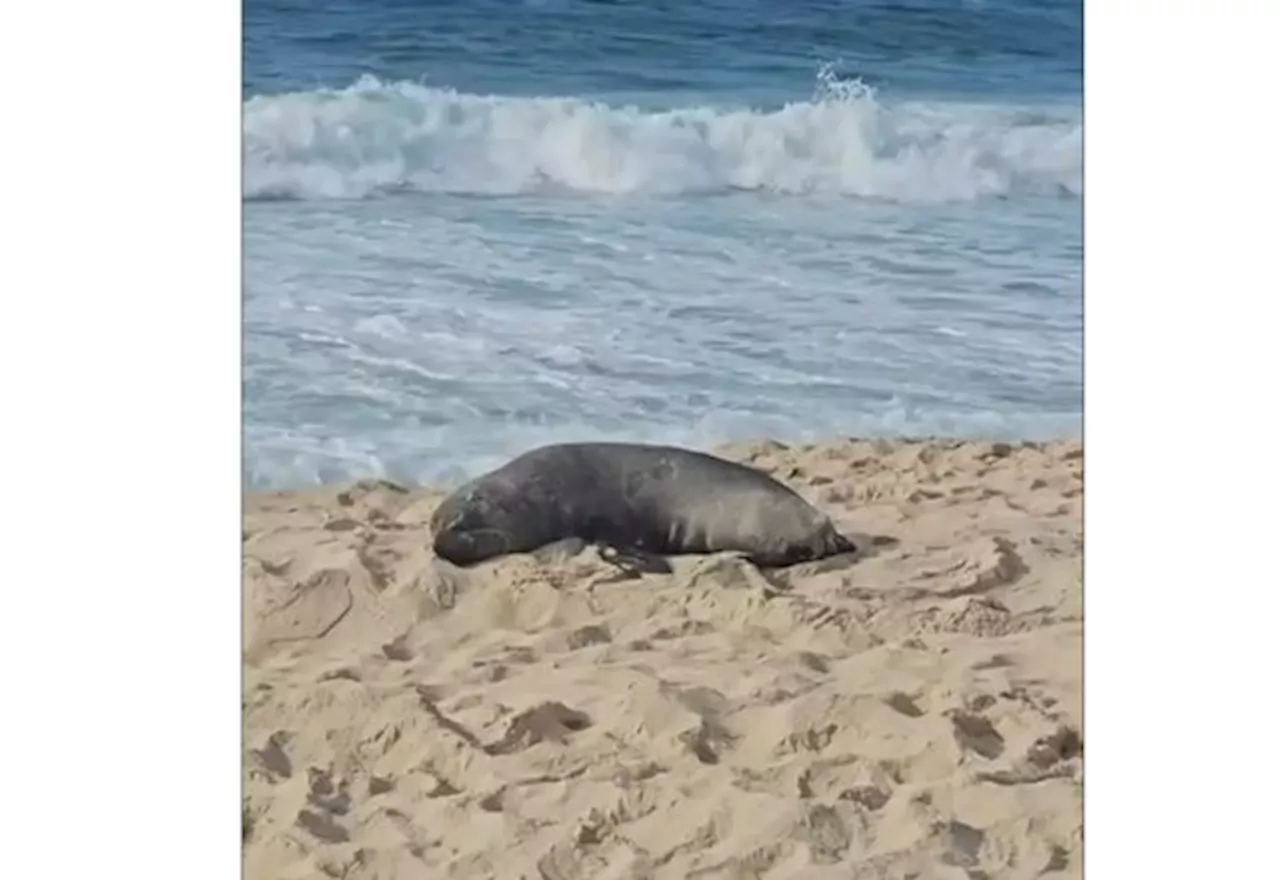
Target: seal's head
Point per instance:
(826, 541)
(473, 524)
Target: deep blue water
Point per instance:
(473, 226)
(734, 49)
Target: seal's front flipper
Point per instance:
(635, 562)
(559, 551)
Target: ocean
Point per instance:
(473, 227)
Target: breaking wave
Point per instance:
(376, 138)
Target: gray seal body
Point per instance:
(631, 497)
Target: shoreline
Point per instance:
(727, 448)
(918, 709)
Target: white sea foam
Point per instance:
(375, 138)
(426, 338)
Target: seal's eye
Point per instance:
(471, 519)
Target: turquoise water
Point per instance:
(472, 227)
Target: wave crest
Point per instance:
(374, 138)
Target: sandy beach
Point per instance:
(915, 712)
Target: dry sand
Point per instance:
(917, 713)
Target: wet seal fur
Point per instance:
(634, 501)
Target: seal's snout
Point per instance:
(467, 546)
(457, 547)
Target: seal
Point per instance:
(631, 498)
